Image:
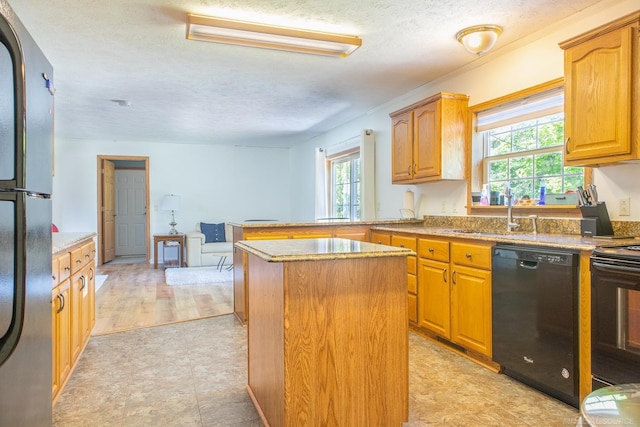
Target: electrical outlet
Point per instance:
(624, 208)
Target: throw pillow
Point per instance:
(213, 232)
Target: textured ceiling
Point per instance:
(197, 92)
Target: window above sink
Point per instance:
(518, 140)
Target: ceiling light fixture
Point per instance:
(229, 31)
(479, 39)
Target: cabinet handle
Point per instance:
(87, 255)
(83, 280)
(61, 299)
(92, 274)
(414, 169)
(453, 277)
(409, 170)
(444, 275)
(566, 145)
(379, 242)
(78, 261)
(431, 250)
(402, 245)
(53, 276)
(67, 267)
(468, 255)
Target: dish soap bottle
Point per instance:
(484, 196)
(543, 190)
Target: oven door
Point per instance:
(615, 321)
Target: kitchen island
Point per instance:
(279, 230)
(327, 341)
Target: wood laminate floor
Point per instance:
(136, 296)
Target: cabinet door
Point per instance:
(402, 147)
(88, 303)
(598, 94)
(426, 145)
(75, 306)
(61, 327)
(471, 308)
(434, 301)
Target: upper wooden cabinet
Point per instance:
(602, 94)
(428, 139)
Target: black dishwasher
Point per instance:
(535, 317)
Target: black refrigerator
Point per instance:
(26, 134)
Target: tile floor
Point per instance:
(194, 374)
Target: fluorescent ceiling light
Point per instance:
(229, 31)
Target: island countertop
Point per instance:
(317, 249)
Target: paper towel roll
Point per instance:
(408, 209)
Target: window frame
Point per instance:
(476, 159)
(350, 156)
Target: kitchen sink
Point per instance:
(476, 232)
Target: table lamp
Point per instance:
(171, 202)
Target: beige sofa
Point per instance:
(200, 254)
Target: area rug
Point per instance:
(100, 279)
(197, 276)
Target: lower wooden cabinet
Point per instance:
(434, 312)
(471, 308)
(72, 309)
(454, 292)
(61, 329)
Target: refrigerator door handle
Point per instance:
(9, 340)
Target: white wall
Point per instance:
(216, 183)
(528, 62)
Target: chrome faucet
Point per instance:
(510, 223)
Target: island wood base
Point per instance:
(328, 341)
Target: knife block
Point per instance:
(595, 221)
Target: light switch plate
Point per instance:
(624, 208)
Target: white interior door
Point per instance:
(131, 212)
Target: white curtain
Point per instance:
(367, 175)
(322, 205)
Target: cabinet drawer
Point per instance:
(64, 267)
(55, 271)
(411, 265)
(472, 255)
(404, 242)
(89, 251)
(265, 235)
(380, 238)
(412, 283)
(437, 250)
(412, 308)
(77, 260)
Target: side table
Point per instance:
(178, 238)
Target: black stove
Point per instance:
(630, 252)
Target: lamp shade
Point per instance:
(170, 202)
(479, 39)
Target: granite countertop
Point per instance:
(564, 241)
(259, 223)
(317, 249)
(65, 240)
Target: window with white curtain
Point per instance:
(345, 178)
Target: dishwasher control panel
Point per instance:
(533, 254)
